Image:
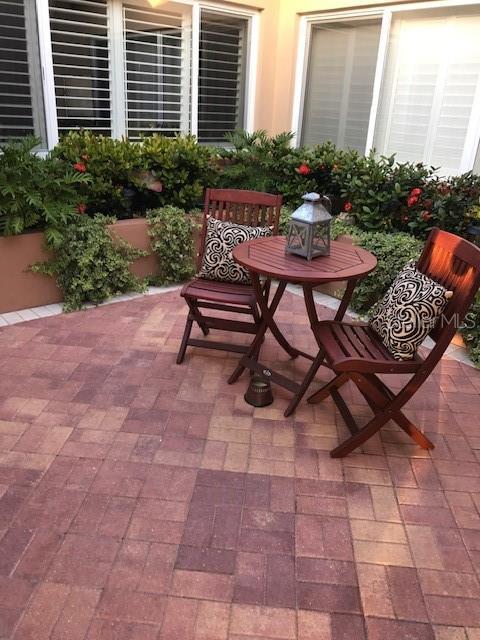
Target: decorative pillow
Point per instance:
(220, 240)
(408, 311)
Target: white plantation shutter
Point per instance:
(476, 163)
(81, 64)
(21, 97)
(154, 43)
(340, 78)
(221, 82)
(431, 90)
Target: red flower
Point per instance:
(79, 166)
(82, 207)
(405, 218)
(304, 170)
(426, 215)
(347, 206)
(412, 200)
(415, 192)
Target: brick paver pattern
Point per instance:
(141, 500)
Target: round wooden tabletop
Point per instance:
(266, 256)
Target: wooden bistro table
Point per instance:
(266, 257)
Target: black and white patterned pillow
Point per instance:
(220, 240)
(409, 311)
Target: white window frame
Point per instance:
(191, 20)
(46, 62)
(386, 15)
(118, 66)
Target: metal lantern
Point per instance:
(309, 229)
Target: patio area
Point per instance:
(145, 500)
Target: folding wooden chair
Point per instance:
(355, 352)
(252, 208)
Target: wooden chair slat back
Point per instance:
(252, 208)
(455, 263)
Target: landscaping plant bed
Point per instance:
(20, 288)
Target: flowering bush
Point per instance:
(127, 178)
(260, 163)
(110, 165)
(384, 195)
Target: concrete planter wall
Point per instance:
(20, 288)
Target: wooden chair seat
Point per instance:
(252, 208)
(223, 292)
(352, 346)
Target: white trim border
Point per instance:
(46, 62)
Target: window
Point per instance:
(125, 68)
(430, 89)
(221, 90)
(21, 96)
(341, 73)
(154, 72)
(403, 82)
(81, 64)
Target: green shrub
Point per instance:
(380, 193)
(91, 264)
(471, 331)
(171, 233)
(262, 163)
(111, 166)
(383, 195)
(184, 167)
(36, 192)
(454, 202)
(127, 178)
(258, 162)
(392, 250)
(285, 215)
(377, 190)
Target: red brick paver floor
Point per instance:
(140, 500)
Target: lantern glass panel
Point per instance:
(321, 238)
(297, 236)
